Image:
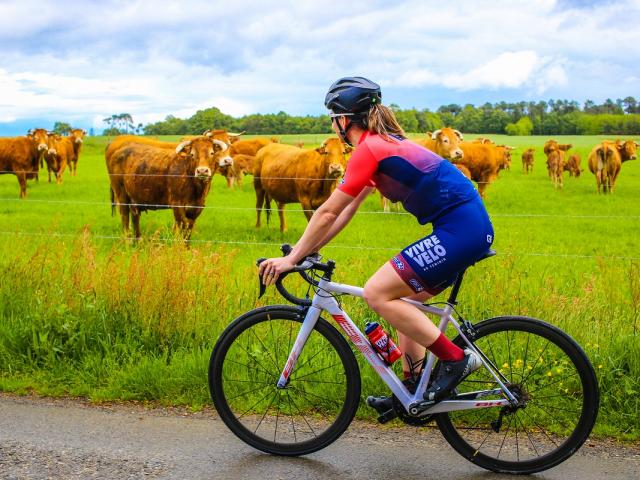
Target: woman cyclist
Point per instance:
(431, 189)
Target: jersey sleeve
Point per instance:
(360, 169)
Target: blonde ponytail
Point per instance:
(382, 121)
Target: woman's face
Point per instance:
(334, 124)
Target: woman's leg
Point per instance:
(415, 331)
(412, 351)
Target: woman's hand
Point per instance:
(272, 268)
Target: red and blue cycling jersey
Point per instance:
(426, 184)
(434, 191)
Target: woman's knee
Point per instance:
(374, 297)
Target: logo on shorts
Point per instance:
(417, 286)
(489, 239)
(399, 263)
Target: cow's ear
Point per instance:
(321, 150)
(348, 149)
(458, 133)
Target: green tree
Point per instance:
(61, 128)
(469, 120)
(522, 127)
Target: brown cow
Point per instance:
(242, 165)
(504, 152)
(444, 142)
(40, 138)
(573, 165)
(527, 160)
(288, 174)
(223, 135)
(76, 136)
(224, 161)
(627, 149)
(605, 162)
(549, 145)
(484, 140)
(121, 140)
(21, 156)
(555, 166)
(248, 148)
(58, 155)
(145, 177)
(555, 153)
(483, 162)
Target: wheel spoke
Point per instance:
(251, 390)
(255, 365)
(505, 436)
(313, 373)
(266, 350)
(541, 429)
(529, 437)
(546, 385)
(524, 380)
(265, 412)
(550, 373)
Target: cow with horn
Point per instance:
(147, 177)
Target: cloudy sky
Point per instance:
(81, 61)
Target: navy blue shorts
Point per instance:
(459, 238)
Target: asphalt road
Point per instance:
(65, 439)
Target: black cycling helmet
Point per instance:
(352, 95)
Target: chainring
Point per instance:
(405, 416)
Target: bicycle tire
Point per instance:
(315, 407)
(560, 380)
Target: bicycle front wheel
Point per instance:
(315, 407)
(558, 391)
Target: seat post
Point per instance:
(456, 287)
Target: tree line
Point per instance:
(553, 117)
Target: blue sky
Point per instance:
(81, 61)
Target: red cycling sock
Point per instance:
(445, 350)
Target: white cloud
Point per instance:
(90, 60)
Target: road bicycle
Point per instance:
(286, 381)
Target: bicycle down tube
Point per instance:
(323, 300)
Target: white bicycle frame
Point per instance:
(323, 300)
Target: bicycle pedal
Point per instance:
(387, 416)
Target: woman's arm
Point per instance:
(321, 226)
(343, 219)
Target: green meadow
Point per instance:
(83, 312)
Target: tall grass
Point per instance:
(82, 313)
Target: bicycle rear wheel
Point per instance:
(315, 407)
(559, 395)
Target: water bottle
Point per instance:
(382, 342)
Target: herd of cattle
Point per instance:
(24, 156)
(147, 174)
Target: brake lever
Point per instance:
(263, 287)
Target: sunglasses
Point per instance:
(336, 115)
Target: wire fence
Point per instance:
(318, 179)
(169, 240)
(253, 209)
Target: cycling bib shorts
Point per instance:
(460, 237)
